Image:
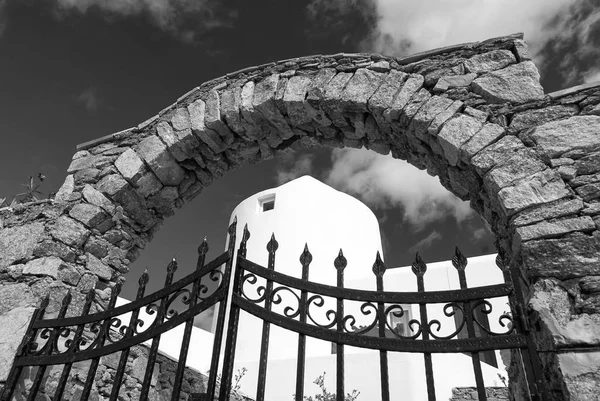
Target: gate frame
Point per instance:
(518, 336)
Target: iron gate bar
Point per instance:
(109, 349)
(60, 388)
(187, 331)
(351, 294)
(387, 344)
(232, 325)
(160, 315)
(340, 264)
(379, 269)
(121, 310)
(130, 333)
(89, 381)
(266, 329)
(305, 260)
(419, 268)
(218, 337)
(47, 348)
(460, 263)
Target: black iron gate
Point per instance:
(66, 340)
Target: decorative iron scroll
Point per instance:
(109, 331)
(325, 322)
(65, 340)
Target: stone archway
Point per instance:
(473, 115)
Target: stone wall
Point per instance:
(470, 394)
(474, 115)
(194, 382)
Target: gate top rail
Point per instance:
(134, 305)
(350, 294)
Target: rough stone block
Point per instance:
(479, 115)
(456, 133)
(386, 92)
(48, 266)
(567, 172)
(488, 134)
(13, 326)
(95, 161)
(98, 268)
(168, 136)
(552, 210)
(212, 117)
(294, 99)
(557, 137)
(584, 180)
(521, 165)
(531, 118)
(522, 50)
(412, 85)
(496, 153)
(65, 190)
(332, 95)
(575, 255)
(411, 109)
(589, 192)
(130, 165)
(17, 243)
(491, 61)
(181, 119)
(264, 101)
(444, 116)
(131, 201)
(589, 164)
(88, 214)
(208, 136)
(453, 81)
(70, 232)
(359, 89)
(434, 106)
(148, 184)
(539, 188)
(87, 175)
(96, 198)
(380, 66)
(164, 200)
(231, 100)
(155, 153)
(555, 228)
(517, 83)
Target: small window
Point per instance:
(267, 203)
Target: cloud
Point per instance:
(425, 242)
(90, 99)
(592, 75)
(385, 182)
(551, 28)
(293, 167)
(182, 18)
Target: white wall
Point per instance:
(407, 372)
(201, 341)
(306, 211)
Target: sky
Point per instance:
(76, 70)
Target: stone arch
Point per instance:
(474, 115)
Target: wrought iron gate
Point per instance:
(66, 340)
